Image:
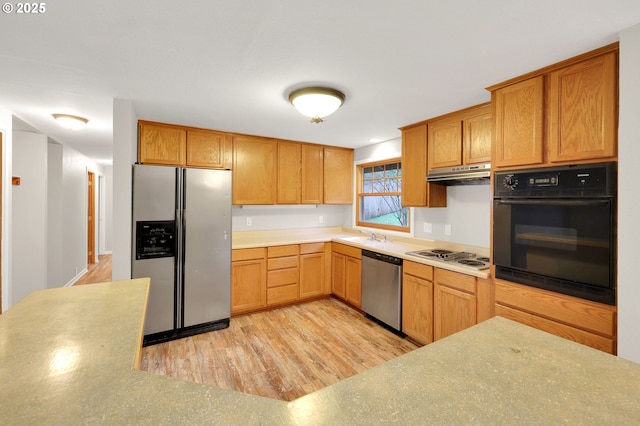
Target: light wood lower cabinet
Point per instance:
(455, 303)
(417, 301)
(346, 273)
(248, 280)
(283, 274)
(589, 323)
(313, 270)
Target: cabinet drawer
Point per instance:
(418, 270)
(282, 262)
(283, 294)
(248, 254)
(282, 277)
(456, 280)
(579, 313)
(347, 250)
(604, 344)
(281, 251)
(311, 248)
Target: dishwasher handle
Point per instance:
(382, 257)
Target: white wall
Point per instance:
(468, 212)
(629, 200)
(289, 217)
(125, 137)
(55, 213)
(6, 127)
(108, 209)
(29, 215)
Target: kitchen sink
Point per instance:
(378, 244)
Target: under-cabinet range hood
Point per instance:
(474, 174)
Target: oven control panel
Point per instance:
(566, 181)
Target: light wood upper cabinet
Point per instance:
(207, 148)
(518, 133)
(171, 145)
(312, 174)
(477, 131)
(564, 113)
(161, 144)
(444, 143)
(254, 170)
(583, 110)
(289, 172)
(461, 137)
(415, 190)
(338, 175)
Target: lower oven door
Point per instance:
(560, 245)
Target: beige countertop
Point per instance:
(395, 245)
(68, 356)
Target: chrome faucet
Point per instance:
(373, 236)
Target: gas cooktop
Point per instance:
(460, 258)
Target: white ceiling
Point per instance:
(230, 64)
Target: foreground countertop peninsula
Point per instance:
(69, 356)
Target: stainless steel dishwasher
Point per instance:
(382, 288)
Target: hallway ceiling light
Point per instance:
(72, 122)
(316, 102)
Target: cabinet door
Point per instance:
(312, 277)
(476, 135)
(583, 110)
(444, 144)
(417, 308)
(254, 170)
(353, 276)
(248, 285)
(454, 310)
(338, 274)
(338, 175)
(289, 172)
(209, 149)
(415, 190)
(312, 174)
(518, 123)
(161, 144)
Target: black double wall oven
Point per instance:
(555, 228)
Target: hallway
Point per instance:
(99, 272)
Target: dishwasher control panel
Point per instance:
(382, 257)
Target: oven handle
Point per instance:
(547, 202)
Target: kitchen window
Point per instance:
(379, 196)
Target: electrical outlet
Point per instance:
(447, 230)
(249, 222)
(428, 227)
(320, 219)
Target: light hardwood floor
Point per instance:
(99, 272)
(283, 354)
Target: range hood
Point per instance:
(474, 174)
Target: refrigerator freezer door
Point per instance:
(207, 251)
(154, 200)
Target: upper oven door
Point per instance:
(563, 239)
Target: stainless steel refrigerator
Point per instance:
(182, 241)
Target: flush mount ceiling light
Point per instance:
(316, 102)
(72, 122)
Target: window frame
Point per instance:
(360, 193)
